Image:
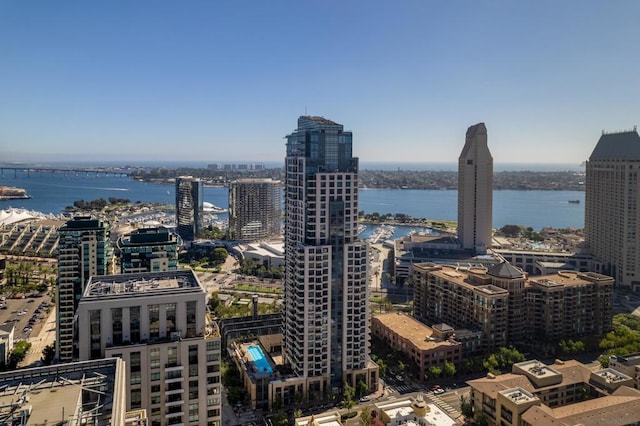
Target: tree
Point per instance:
(435, 372)
(365, 416)
(449, 368)
(363, 389)
(18, 353)
(511, 230)
(465, 407)
(219, 256)
(48, 353)
(348, 393)
(382, 366)
(502, 360)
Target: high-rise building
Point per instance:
(326, 327)
(157, 323)
(254, 209)
(189, 207)
(612, 207)
(148, 250)
(475, 191)
(84, 249)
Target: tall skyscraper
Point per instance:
(189, 207)
(254, 209)
(84, 249)
(148, 250)
(326, 316)
(475, 191)
(612, 213)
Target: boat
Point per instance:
(574, 201)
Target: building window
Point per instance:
(94, 329)
(154, 361)
(116, 325)
(213, 345)
(191, 319)
(172, 356)
(136, 398)
(134, 323)
(193, 412)
(171, 317)
(193, 389)
(154, 321)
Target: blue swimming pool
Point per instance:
(262, 364)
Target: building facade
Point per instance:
(612, 207)
(326, 317)
(148, 250)
(509, 307)
(254, 209)
(475, 191)
(189, 207)
(567, 393)
(156, 322)
(84, 250)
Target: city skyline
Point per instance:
(160, 81)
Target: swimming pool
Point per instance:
(262, 364)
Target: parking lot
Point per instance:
(28, 314)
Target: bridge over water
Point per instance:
(29, 170)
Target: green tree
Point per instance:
(382, 366)
(511, 230)
(435, 372)
(449, 368)
(502, 360)
(48, 354)
(363, 389)
(365, 416)
(18, 353)
(465, 407)
(348, 393)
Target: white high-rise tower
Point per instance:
(475, 191)
(326, 316)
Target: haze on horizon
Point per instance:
(212, 81)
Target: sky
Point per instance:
(218, 81)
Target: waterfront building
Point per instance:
(189, 207)
(509, 307)
(76, 393)
(405, 334)
(326, 316)
(566, 393)
(149, 250)
(254, 209)
(84, 250)
(475, 191)
(612, 207)
(157, 323)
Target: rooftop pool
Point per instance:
(261, 362)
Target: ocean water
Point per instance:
(52, 192)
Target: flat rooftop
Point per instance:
(518, 395)
(125, 285)
(411, 329)
(78, 392)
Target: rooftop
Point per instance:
(125, 285)
(622, 145)
(518, 395)
(411, 329)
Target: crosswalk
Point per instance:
(444, 406)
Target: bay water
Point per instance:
(52, 192)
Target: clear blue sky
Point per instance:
(223, 81)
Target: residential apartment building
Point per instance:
(627, 364)
(189, 207)
(157, 323)
(612, 207)
(148, 250)
(326, 316)
(508, 307)
(475, 191)
(254, 209)
(84, 250)
(405, 334)
(567, 393)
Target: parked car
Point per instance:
(365, 398)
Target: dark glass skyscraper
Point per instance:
(189, 207)
(326, 316)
